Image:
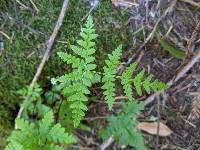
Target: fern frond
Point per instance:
(32, 94)
(147, 83)
(43, 134)
(24, 125)
(109, 76)
(81, 78)
(140, 82)
(123, 127)
(126, 80)
(25, 132)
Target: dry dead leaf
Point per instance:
(123, 3)
(151, 128)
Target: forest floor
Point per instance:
(140, 27)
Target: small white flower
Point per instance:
(53, 81)
(94, 3)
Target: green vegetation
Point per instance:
(175, 52)
(123, 126)
(76, 83)
(45, 134)
(29, 31)
(109, 76)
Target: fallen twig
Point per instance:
(4, 34)
(21, 4)
(49, 43)
(107, 143)
(34, 6)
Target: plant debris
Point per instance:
(154, 128)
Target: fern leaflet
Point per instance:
(109, 76)
(126, 80)
(139, 82)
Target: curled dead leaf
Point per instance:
(123, 3)
(151, 128)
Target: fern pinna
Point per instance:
(43, 135)
(80, 79)
(139, 81)
(109, 76)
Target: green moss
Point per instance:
(29, 31)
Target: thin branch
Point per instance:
(21, 4)
(158, 123)
(50, 43)
(4, 34)
(107, 143)
(35, 7)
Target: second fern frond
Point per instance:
(109, 75)
(42, 135)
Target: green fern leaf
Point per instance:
(123, 127)
(77, 83)
(147, 84)
(126, 80)
(45, 124)
(42, 134)
(70, 59)
(14, 146)
(109, 76)
(24, 125)
(138, 82)
(57, 134)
